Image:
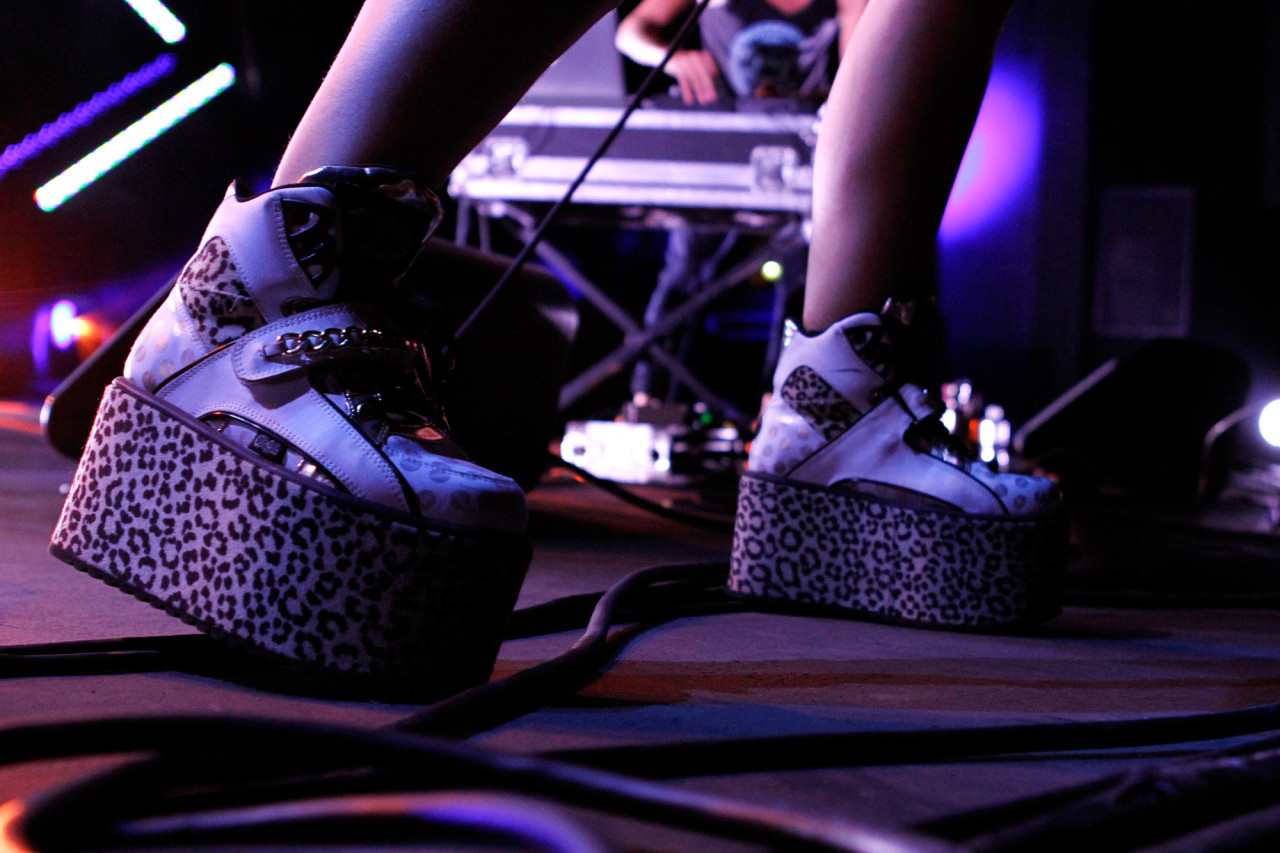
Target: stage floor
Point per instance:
(719, 675)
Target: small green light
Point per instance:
(771, 270)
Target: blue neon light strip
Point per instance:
(160, 19)
(127, 142)
(85, 112)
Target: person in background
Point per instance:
(748, 50)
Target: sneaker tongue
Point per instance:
(312, 228)
(352, 233)
(869, 341)
(385, 217)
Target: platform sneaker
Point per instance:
(854, 499)
(273, 467)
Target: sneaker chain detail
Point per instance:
(855, 499)
(276, 373)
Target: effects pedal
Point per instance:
(656, 445)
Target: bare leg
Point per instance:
(419, 82)
(900, 113)
(409, 576)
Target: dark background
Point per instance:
(1159, 181)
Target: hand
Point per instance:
(696, 73)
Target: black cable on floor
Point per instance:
(727, 756)
(698, 595)
(497, 702)
(183, 652)
(976, 822)
(159, 802)
(1135, 808)
(436, 764)
(1148, 804)
(477, 710)
(664, 592)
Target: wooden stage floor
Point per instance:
(741, 677)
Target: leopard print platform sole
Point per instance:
(831, 548)
(167, 509)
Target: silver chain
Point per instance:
(314, 341)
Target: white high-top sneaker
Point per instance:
(272, 468)
(853, 499)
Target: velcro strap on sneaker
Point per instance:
(876, 450)
(926, 432)
(918, 403)
(334, 333)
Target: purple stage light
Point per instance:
(64, 324)
(1003, 156)
(85, 112)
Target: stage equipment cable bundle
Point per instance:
(272, 777)
(256, 779)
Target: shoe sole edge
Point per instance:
(162, 510)
(823, 547)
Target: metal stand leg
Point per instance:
(638, 340)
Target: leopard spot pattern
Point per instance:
(822, 407)
(215, 295)
(828, 547)
(164, 511)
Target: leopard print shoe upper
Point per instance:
(273, 469)
(853, 501)
(838, 417)
(270, 336)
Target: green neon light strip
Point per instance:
(129, 141)
(160, 19)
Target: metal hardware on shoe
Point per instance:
(372, 408)
(325, 336)
(915, 401)
(314, 341)
(310, 237)
(790, 328)
(928, 434)
(269, 446)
